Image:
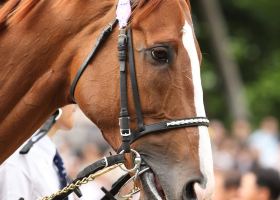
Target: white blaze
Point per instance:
(205, 153)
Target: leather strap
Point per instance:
(124, 120)
(109, 195)
(101, 39)
(91, 169)
(134, 85)
(40, 133)
(168, 125)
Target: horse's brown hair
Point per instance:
(7, 9)
(14, 11)
(10, 8)
(147, 9)
(143, 9)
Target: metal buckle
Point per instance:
(124, 126)
(59, 114)
(125, 132)
(137, 162)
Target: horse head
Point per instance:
(167, 65)
(167, 71)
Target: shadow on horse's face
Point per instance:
(168, 75)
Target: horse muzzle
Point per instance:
(163, 185)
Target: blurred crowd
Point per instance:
(246, 160)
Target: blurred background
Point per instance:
(239, 40)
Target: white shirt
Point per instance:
(267, 146)
(31, 176)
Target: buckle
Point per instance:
(125, 132)
(137, 162)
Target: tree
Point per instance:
(225, 61)
(253, 28)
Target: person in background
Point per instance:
(264, 142)
(226, 185)
(245, 157)
(221, 144)
(240, 130)
(32, 173)
(260, 184)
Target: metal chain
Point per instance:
(77, 184)
(130, 195)
(91, 177)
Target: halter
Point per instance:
(125, 49)
(126, 55)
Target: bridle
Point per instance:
(125, 49)
(126, 55)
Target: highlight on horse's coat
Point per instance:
(43, 45)
(204, 139)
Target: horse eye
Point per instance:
(160, 54)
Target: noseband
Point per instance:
(126, 54)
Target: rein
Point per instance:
(41, 132)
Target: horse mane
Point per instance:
(6, 8)
(9, 8)
(8, 11)
(144, 7)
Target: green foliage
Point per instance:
(254, 31)
(264, 94)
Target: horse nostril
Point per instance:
(188, 190)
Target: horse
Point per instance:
(43, 43)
